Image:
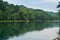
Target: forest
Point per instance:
(21, 12)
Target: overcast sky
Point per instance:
(48, 5)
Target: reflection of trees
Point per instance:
(59, 31)
(8, 29)
(11, 29)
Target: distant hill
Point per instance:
(53, 14)
(20, 12)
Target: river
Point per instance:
(29, 30)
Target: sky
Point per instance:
(47, 5)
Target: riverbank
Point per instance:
(29, 21)
(14, 20)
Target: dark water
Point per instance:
(28, 30)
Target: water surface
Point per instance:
(46, 34)
(28, 30)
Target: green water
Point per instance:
(28, 30)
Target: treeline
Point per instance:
(20, 12)
(58, 14)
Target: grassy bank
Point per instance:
(14, 20)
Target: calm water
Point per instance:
(29, 30)
(46, 34)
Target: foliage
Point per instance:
(20, 12)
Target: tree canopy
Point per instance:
(20, 12)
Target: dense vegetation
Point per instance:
(58, 14)
(20, 12)
(11, 11)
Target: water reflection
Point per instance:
(46, 34)
(13, 29)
